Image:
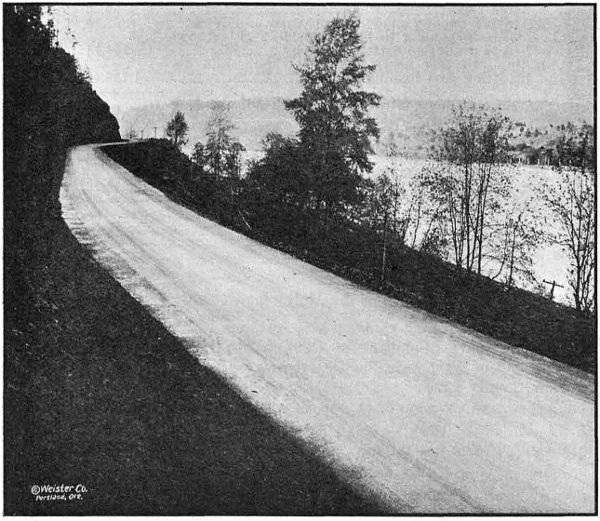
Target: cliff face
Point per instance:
(49, 105)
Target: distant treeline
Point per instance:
(526, 145)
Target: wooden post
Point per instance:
(553, 284)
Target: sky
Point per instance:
(140, 55)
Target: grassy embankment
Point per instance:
(352, 251)
(96, 391)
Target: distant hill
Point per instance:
(409, 120)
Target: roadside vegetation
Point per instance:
(96, 391)
(571, 199)
(310, 196)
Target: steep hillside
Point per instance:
(97, 392)
(48, 106)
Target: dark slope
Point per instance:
(97, 392)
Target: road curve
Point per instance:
(427, 415)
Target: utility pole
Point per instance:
(154, 132)
(553, 283)
(142, 133)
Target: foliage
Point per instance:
(335, 129)
(384, 212)
(198, 154)
(222, 153)
(390, 147)
(468, 181)
(352, 248)
(519, 235)
(233, 159)
(177, 129)
(280, 176)
(572, 201)
(49, 105)
(383, 205)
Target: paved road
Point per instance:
(427, 415)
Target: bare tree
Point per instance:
(222, 152)
(385, 212)
(467, 180)
(519, 236)
(571, 198)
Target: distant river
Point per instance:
(549, 262)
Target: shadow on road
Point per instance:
(98, 393)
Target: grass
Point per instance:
(517, 317)
(98, 392)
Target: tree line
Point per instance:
(461, 207)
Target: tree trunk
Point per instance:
(383, 257)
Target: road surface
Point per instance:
(427, 415)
